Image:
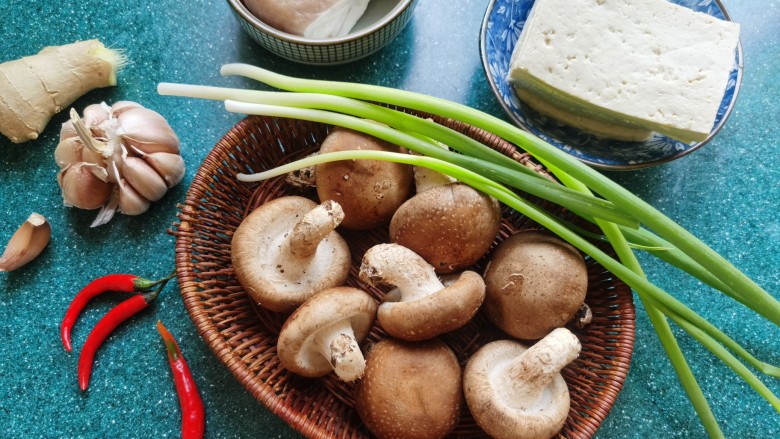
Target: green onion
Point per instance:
(613, 208)
(557, 160)
(301, 106)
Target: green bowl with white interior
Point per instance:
(381, 22)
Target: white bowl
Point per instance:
(382, 21)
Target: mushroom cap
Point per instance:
(296, 348)
(369, 191)
(434, 314)
(410, 390)
(257, 241)
(534, 283)
(487, 390)
(450, 226)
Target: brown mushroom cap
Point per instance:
(534, 283)
(515, 392)
(280, 268)
(443, 311)
(322, 335)
(450, 226)
(421, 307)
(410, 390)
(369, 191)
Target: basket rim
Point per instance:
(265, 394)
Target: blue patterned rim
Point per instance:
(501, 28)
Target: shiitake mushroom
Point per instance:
(369, 191)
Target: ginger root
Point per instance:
(35, 88)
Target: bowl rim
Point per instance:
(249, 18)
(739, 58)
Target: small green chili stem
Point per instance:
(575, 201)
(762, 301)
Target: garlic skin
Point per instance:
(29, 240)
(115, 158)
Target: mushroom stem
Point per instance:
(337, 343)
(532, 371)
(396, 265)
(305, 237)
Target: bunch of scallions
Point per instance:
(627, 222)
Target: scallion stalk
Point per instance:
(306, 105)
(614, 209)
(761, 301)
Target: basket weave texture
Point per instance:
(243, 336)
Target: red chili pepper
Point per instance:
(103, 329)
(192, 413)
(127, 283)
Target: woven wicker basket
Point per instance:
(243, 336)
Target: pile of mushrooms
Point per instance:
(290, 258)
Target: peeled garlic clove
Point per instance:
(170, 166)
(26, 243)
(71, 150)
(130, 201)
(147, 130)
(84, 185)
(144, 179)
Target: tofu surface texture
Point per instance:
(647, 63)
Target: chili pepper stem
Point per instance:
(127, 283)
(142, 284)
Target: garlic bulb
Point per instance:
(117, 158)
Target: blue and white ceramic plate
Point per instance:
(501, 28)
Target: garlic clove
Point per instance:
(68, 130)
(71, 150)
(26, 243)
(147, 130)
(84, 185)
(170, 166)
(68, 151)
(144, 179)
(94, 114)
(120, 107)
(130, 201)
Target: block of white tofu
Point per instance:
(650, 64)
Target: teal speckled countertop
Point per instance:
(727, 193)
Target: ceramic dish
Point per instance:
(243, 336)
(501, 27)
(382, 21)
